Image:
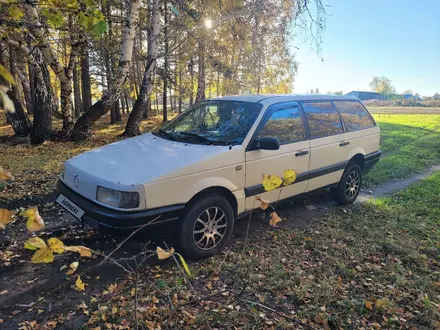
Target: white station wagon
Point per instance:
(203, 169)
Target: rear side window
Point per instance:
(355, 116)
(285, 125)
(323, 119)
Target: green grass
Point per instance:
(410, 143)
(397, 109)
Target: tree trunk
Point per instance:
(165, 66)
(157, 103)
(64, 74)
(180, 87)
(201, 75)
(191, 74)
(19, 120)
(118, 112)
(66, 107)
(42, 98)
(109, 78)
(147, 108)
(126, 102)
(31, 88)
(12, 71)
(76, 91)
(86, 88)
(132, 127)
(24, 81)
(100, 108)
(218, 82)
(115, 115)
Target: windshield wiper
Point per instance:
(166, 134)
(199, 138)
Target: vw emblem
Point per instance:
(76, 181)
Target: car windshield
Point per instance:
(212, 122)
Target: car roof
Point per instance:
(277, 98)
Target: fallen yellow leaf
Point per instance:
(271, 182)
(162, 254)
(185, 265)
(56, 245)
(82, 250)
(79, 285)
(289, 177)
(43, 255)
(73, 266)
(380, 303)
(339, 283)
(112, 288)
(5, 218)
(34, 243)
(274, 219)
(264, 204)
(34, 221)
(5, 175)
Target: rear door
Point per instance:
(327, 154)
(362, 133)
(286, 123)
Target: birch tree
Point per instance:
(132, 127)
(103, 106)
(64, 74)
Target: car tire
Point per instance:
(349, 186)
(206, 227)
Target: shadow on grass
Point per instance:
(408, 150)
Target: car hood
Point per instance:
(146, 158)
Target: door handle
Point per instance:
(343, 144)
(301, 153)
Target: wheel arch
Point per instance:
(357, 157)
(218, 190)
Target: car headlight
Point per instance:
(116, 198)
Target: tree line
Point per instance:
(78, 60)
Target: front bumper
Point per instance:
(370, 160)
(101, 217)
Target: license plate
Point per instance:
(70, 206)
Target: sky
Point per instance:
(399, 39)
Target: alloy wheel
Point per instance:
(352, 185)
(210, 228)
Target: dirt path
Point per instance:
(391, 187)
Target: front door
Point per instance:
(286, 123)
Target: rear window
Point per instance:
(355, 116)
(323, 119)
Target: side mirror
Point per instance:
(266, 143)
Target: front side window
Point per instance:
(213, 122)
(285, 125)
(355, 116)
(323, 119)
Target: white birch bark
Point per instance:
(80, 130)
(64, 75)
(136, 114)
